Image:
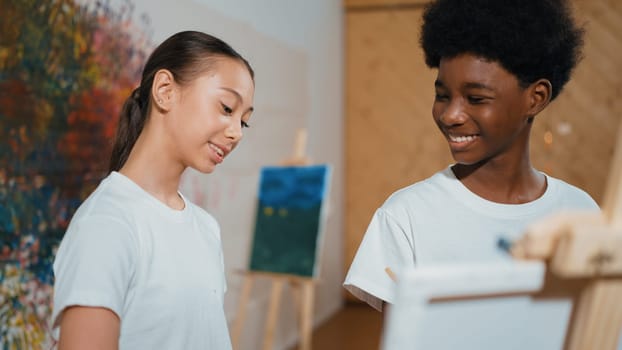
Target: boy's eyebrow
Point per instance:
(473, 85)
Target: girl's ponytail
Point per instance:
(131, 123)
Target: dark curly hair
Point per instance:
(532, 39)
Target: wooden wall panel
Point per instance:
(391, 140)
(583, 120)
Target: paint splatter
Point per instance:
(65, 70)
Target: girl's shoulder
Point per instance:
(202, 215)
(112, 198)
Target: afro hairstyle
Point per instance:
(532, 39)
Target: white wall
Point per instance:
(295, 47)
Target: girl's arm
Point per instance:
(89, 328)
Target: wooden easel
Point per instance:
(303, 288)
(586, 248)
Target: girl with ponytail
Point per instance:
(141, 267)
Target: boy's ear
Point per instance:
(539, 96)
(162, 89)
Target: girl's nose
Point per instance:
(234, 130)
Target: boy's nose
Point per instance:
(454, 114)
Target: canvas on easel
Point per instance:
(476, 306)
(287, 240)
(567, 297)
(289, 219)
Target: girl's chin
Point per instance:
(205, 168)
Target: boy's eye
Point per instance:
(245, 124)
(476, 99)
(440, 97)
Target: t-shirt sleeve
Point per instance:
(222, 260)
(94, 266)
(385, 245)
(212, 227)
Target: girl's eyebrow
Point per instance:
(237, 95)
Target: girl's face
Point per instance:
(209, 113)
(481, 109)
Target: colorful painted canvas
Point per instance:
(65, 70)
(289, 221)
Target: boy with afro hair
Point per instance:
(500, 63)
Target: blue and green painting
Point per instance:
(65, 70)
(289, 219)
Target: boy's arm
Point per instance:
(385, 246)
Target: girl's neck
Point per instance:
(151, 169)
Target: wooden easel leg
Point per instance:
(295, 287)
(599, 317)
(275, 300)
(241, 313)
(306, 315)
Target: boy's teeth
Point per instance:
(461, 138)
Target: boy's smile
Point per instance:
(481, 109)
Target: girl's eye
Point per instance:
(245, 124)
(226, 109)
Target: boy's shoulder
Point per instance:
(433, 189)
(443, 190)
(571, 195)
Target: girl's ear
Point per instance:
(539, 96)
(162, 89)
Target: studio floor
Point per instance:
(355, 327)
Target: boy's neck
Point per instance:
(502, 183)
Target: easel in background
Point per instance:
(302, 287)
(587, 248)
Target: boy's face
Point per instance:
(481, 109)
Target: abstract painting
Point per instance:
(65, 70)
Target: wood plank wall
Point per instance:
(391, 140)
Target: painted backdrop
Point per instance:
(65, 70)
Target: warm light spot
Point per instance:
(548, 138)
(268, 211)
(563, 128)
(283, 212)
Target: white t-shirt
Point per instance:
(439, 221)
(160, 270)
